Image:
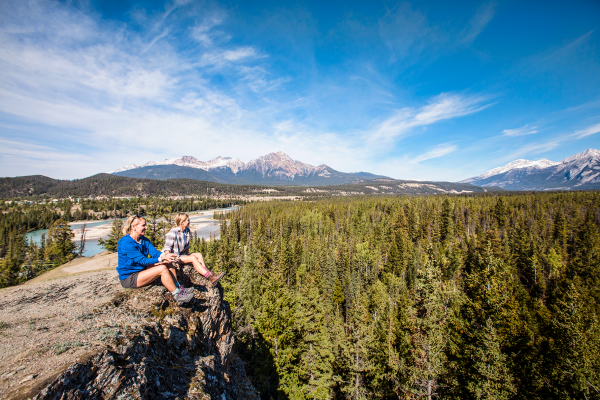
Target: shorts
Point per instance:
(131, 281)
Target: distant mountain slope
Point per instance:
(114, 186)
(578, 172)
(273, 169)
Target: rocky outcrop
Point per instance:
(179, 352)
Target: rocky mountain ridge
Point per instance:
(271, 169)
(578, 172)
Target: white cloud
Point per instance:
(204, 33)
(220, 58)
(442, 107)
(438, 151)
(525, 130)
(590, 130)
(129, 97)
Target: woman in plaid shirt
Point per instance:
(178, 243)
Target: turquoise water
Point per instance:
(92, 247)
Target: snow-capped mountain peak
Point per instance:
(579, 171)
(587, 154)
(517, 164)
(274, 168)
(278, 163)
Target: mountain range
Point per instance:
(580, 171)
(577, 172)
(272, 169)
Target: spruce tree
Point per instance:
(489, 377)
(112, 242)
(572, 359)
(428, 325)
(60, 247)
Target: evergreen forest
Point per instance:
(462, 297)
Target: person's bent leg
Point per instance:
(149, 275)
(198, 262)
(195, 261)
(173, 270)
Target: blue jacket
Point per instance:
(133, 256)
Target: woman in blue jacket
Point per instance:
(141, 264)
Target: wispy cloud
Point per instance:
(590, 130)
(220, 58)
(532, 148)
(477, 23)
(556, 55)
(438, 151)
(442, 107)
(155, 39)
(548, 144)
(405, 31)
(204, 33)
(523, 131)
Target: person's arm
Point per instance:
(170, 241)
(152, 252)
(137, 257)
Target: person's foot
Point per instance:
(215, 278)
(183, 296)
(186, 290)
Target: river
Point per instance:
(202, 223)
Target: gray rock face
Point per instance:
(180, 352)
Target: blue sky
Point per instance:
(423, 90)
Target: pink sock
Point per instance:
(207, 274)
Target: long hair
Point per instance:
(129, 223)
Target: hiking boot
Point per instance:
(214, 278)
(183, 296)
(186, 290)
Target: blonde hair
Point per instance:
(180, 218)
(128, 224)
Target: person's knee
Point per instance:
(163, 269)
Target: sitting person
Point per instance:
(136, 269)
(178, 243)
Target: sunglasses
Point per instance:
(133, 219)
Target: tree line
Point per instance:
(38, 186)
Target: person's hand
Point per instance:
(169, 257)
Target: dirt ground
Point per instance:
(54, 319)
(101, 261)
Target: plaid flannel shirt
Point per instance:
(177, 242)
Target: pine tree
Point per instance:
(60, 247)
(447, 222)
(573, 350)
(500, 212)
(112, 242)
(429, 338)
(490, 377)
(316, 358)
